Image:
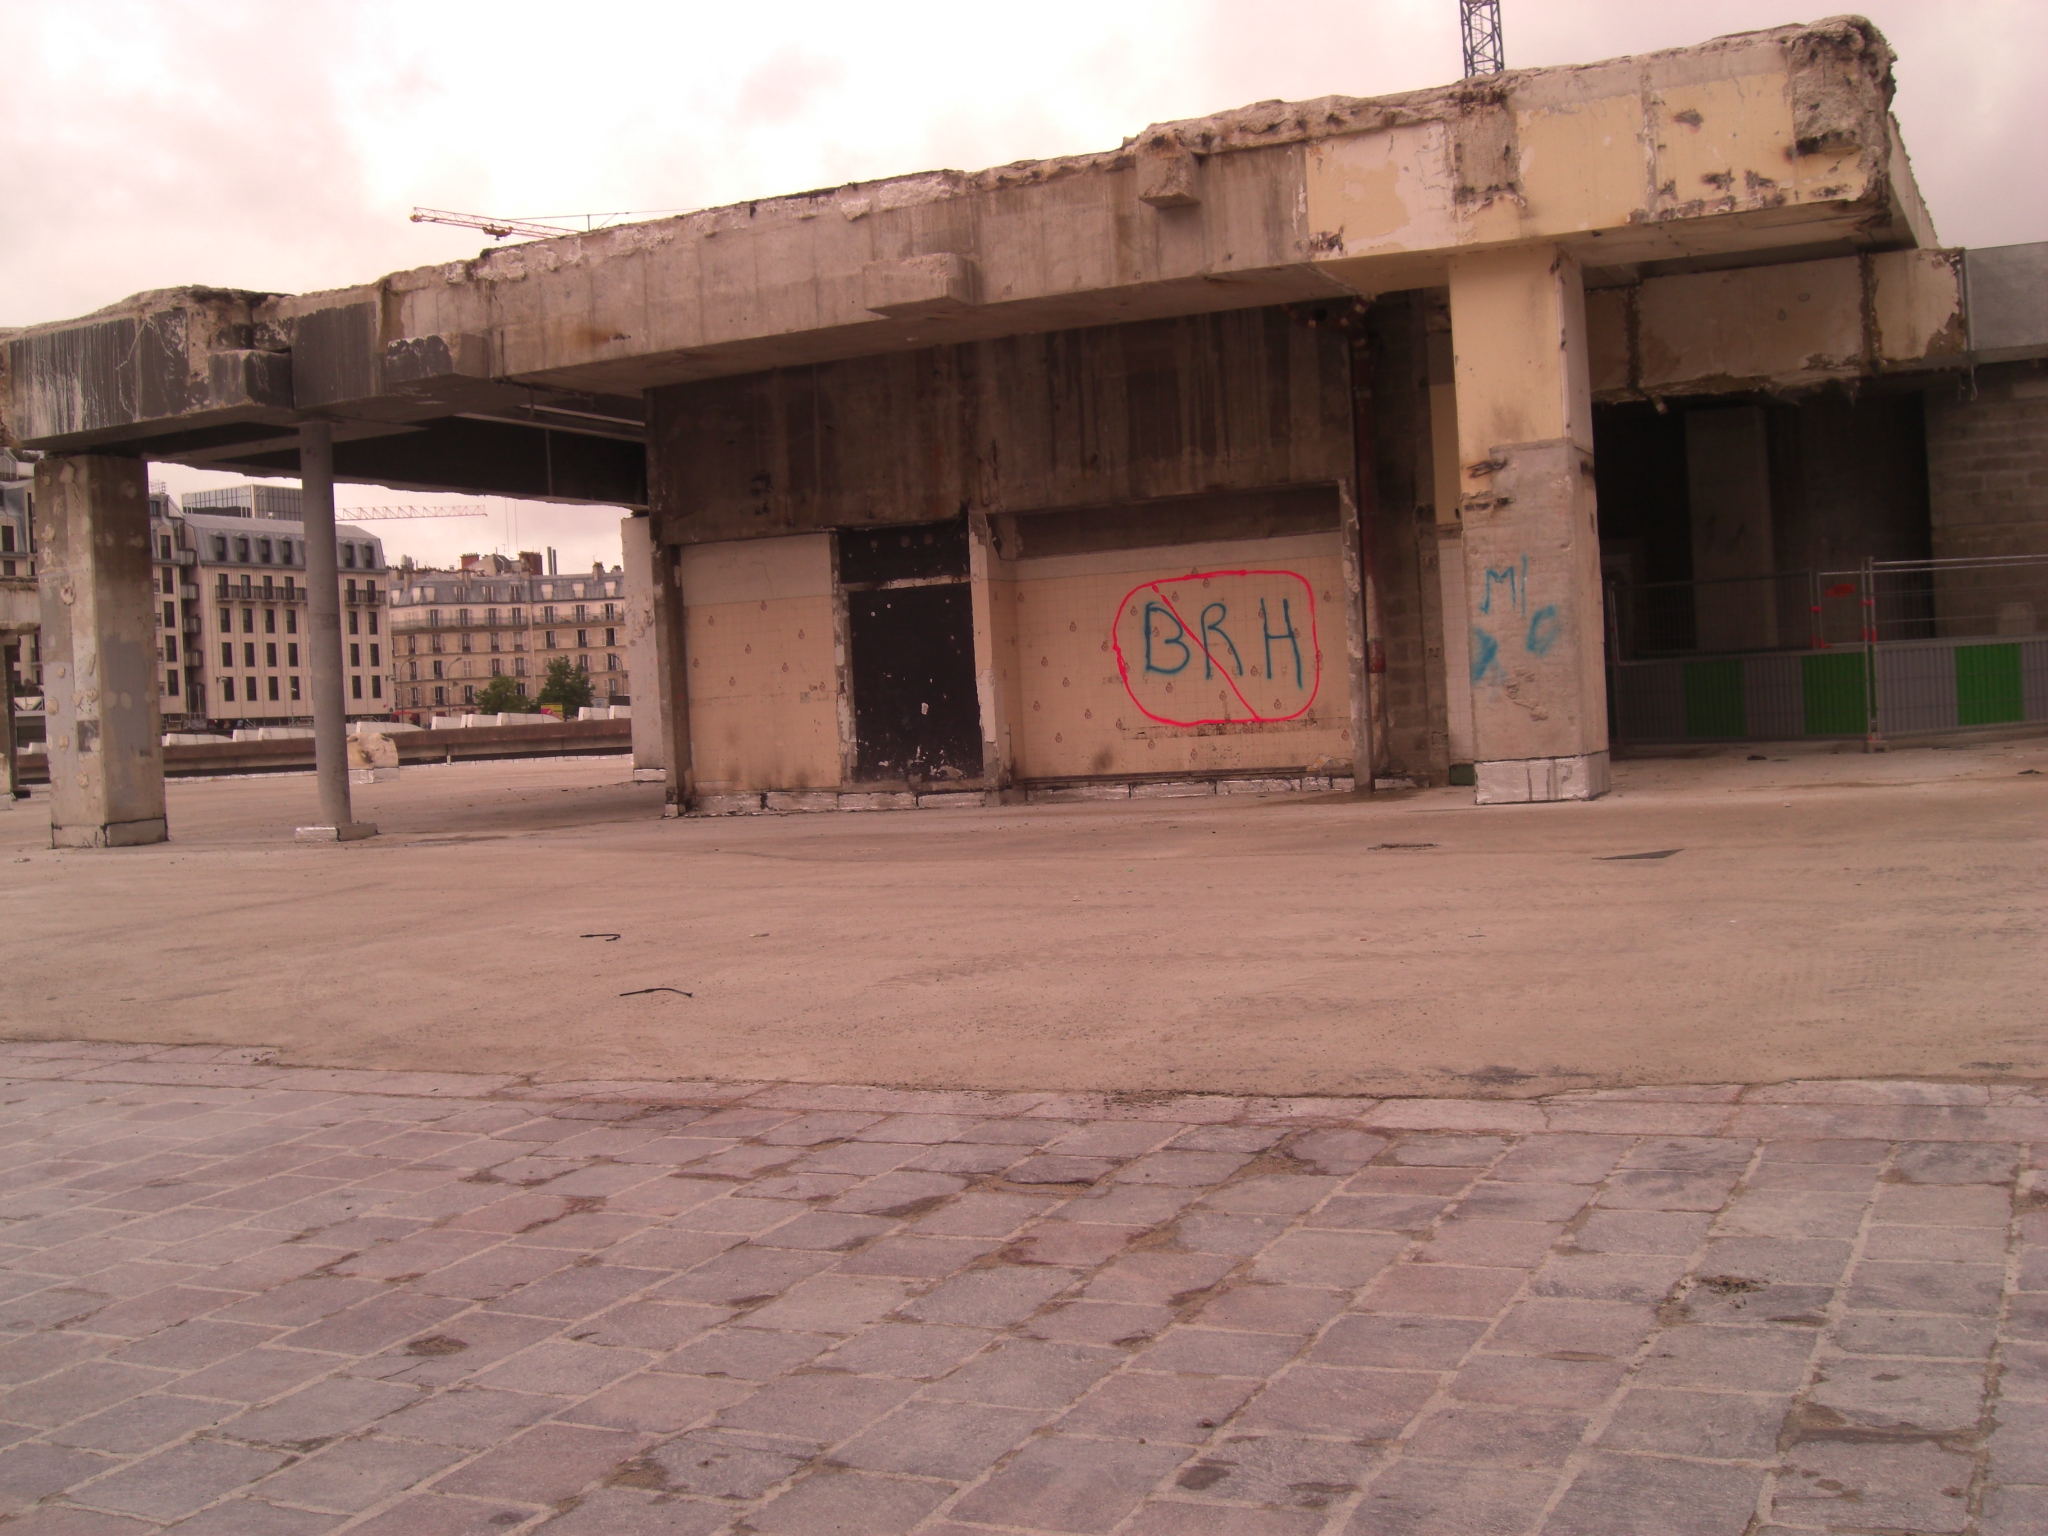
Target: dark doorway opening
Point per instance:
(910, 629)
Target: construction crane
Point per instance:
(401, 514)
(533, 229)
(1479, 29)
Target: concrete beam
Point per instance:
(1770, 141)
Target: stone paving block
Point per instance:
(655, 1403)
(173, 1482)
(1796, 1261)
(1971, 1290)
(835, 1503)
(1141, 1205)
(743, 1274)
(860, 1158)
(1258, 1308)
(320, 1412)
(350, 1477)
(1524, 1201)
(950, 1440)
(991, 1298)
(717, 1465)
(2014, 1511)
(1416, 1498)
(1394, 1342)
(376, 1324)
(1379, 1213)
(1930, 1395)
(1612, 1330)
(1272, 1195)
(1689, 1154)
(1334, 1400)
(1625, 1495)
(818, 1407)
(1485, 1242)
(822, 1232)
(1441, 1290)
(2023, 1374)
(1113, 1138)
(544, 1464)
(77, 1391)
(981, 1214)
(1080, 1244)
(1027, 1373)
(1956, 1162)
(37, 1470)
(913, 1351)
(2019, 1443)
(1218, 1352)
(918, 1258)
(1290, 1470)
(141, 1424)
(1609, 1276)
(1960, 1338)
(467, 1345)
(831, 1303)
(1939, 1245)
(562, 1368)
(1158, 1278)
(1054, 1168)
(1336, 1151)
(1098, 1322)
(1240, 1236)
(629, 1512)
(1727, 1359)
(1527, 1439)
(1531, 1382)
(437, 1515)
(1153, 1407)
(1722, 1426)
(1316, 1258)
(256, 1375)
(474, 1418)
(1911, 1486)
(1185, 1517)
(1180, 1167)
(1391, 1179)
(746, 1354)
(255, 1517)
(655, 1325)
(1067, 1485)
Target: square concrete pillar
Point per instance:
(99, 653)
(1530, 534)
(650, 727)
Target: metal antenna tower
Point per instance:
(1479, 26)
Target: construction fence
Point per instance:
(1892, 648)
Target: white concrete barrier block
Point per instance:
(952, 800)
(878, 800)
(1073, 793)
(798, 799)
(1175, 789)
(727, 805)
(1257, 786)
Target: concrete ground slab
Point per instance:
(1829, 916)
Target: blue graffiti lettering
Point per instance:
(1177, 638)
(1287, 634)
(1485, 653)
(1215, 627)
(1544, 628)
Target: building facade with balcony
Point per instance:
(232, 641)
(452, 631)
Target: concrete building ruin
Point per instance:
(1284, 445)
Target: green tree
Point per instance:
(566, 687)
(503, 696)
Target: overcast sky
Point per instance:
(280, 146)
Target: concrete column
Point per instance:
(10, 771)
(671, 680)
(99, 653)
(998, 747)
(323, 640)
(1450, 542)
(650, 700)
(1728, 488)
(1530, 533)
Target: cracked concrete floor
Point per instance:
(239, 1299)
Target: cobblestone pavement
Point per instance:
(237, 1298)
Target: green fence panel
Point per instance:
(1988, 690)
(1835, 694)
(1713, 699)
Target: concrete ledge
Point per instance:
(117, 834)
(1541, 780)
(354, 832)
(879, 800)
(726, 805)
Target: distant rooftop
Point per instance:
(268, 501)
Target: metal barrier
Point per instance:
(1895, 648)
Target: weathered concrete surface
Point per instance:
(99, 649)
(1829, 915)
(247, 1299)
(1768, 141)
